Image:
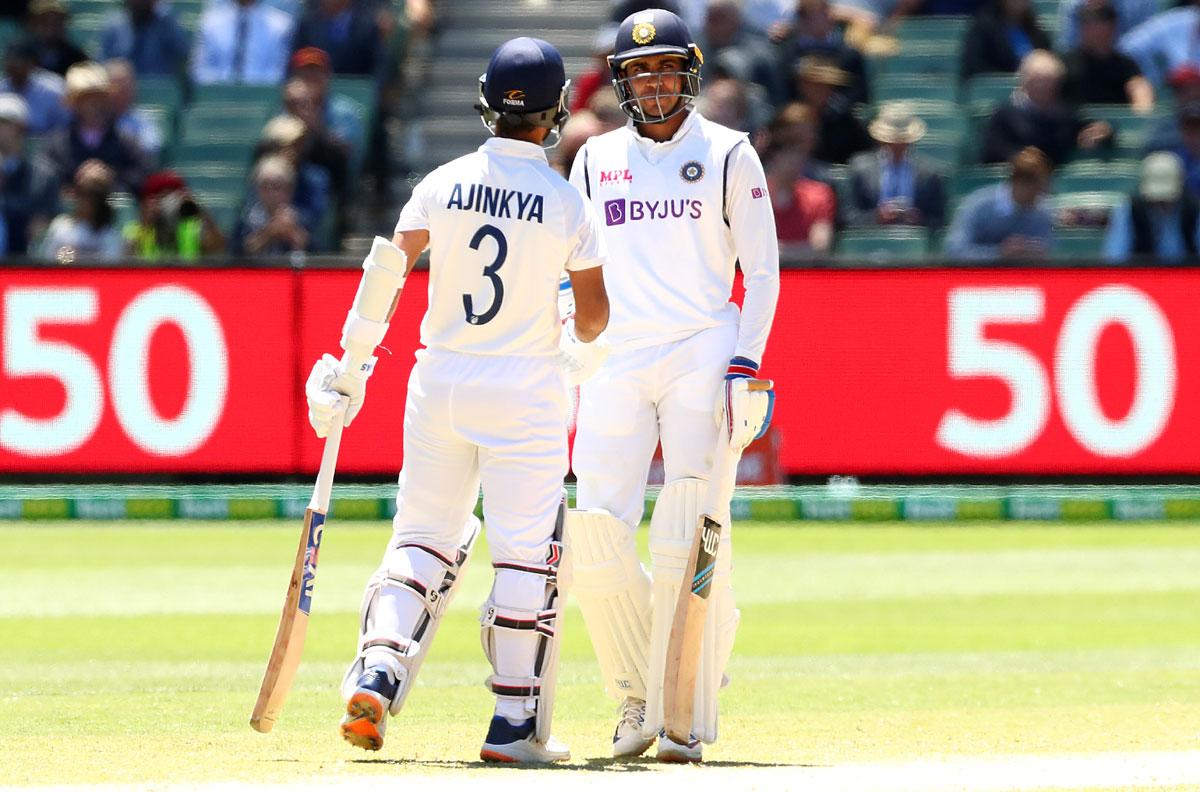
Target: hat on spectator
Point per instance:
(1184, 75)
(38, 7)
(896, 123)
(821, 70)
(14, 109)
(1162, 177)
(283, 130)
(164, 181)
(311, 56)
(83, 78)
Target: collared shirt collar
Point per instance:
(691, 121)
(514, 148)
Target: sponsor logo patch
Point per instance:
(614, 212)
(615, 176)
(691, 172)
(515, 97)
(619, 211)
(757, 192)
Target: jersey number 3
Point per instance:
(489, 272)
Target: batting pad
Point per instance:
(676, 514)
(613, 591)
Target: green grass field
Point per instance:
(133, 652)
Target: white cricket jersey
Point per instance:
(502, 228)
(676, 216)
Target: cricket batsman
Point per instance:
(486, 405)
(681, 200)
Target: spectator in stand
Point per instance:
(1184, 143)
(816, 33)
(1096, 72)
(893, 185)
(320, 147)
(1037, 116)
(795, 127)
(171, 222)
(48, 26)
(1130, 14)
(93, 133)
(339, 115)
(1159, 219)
(743, 56)
(805, 209)
(147, 34)
(1164, 42)
(841, 134)
(242, 41)
(1001, 36)
(88, 232)
(41, 90)
(287, 136)
(597, 76)
(131, 119)
(349, 32)
(732, 103)
(271, 223)
(1006, 220)
(1185, 86)
(28, 193)
(579, 127)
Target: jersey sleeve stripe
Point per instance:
(725, 182)
(587, 180)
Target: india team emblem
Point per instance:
(643, 33)
(691, 172)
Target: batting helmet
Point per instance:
(647, 33)
(525, 82)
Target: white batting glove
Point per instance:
(580, 361)
(330, 381)
(744, 413)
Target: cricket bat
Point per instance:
(687, 628)
(293, 623)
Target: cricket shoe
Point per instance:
(518, 744)
(366, 711)
(628, 741)
(679, 753)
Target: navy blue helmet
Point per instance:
(525, 82)
(655, 32)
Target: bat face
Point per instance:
(315, 531)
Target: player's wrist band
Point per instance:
(741, 368)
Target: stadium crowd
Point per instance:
(973, 129)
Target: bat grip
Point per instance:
(329, 455)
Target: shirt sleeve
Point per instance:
(752, 223)
(588, 249)
(415, 214)
(579, 175)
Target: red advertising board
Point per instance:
(953, 371)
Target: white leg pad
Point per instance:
(613, 591)
(672, 527)
(405, 647)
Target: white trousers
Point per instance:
(638, 398)
(490, 420)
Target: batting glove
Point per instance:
(745, 414)
(579, 361)
(328, 383)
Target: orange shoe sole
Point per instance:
(492, 756)
(361, 725)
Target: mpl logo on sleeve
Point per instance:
(608, 177)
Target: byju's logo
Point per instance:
(614, 212)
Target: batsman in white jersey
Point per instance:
(681, 200)
(486, 405)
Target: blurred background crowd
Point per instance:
(888, 129)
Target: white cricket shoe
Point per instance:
(678, 753)
(628, 741)
(365, 720)
(518, 744)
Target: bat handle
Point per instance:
(329, 455)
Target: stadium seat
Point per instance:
(264, 97)
(204, 151)
(930, 87)
(1091, 176)
(969, 179)
(166, 91)
(9, 31)
(924, 58)
(986, 91)
(214, 177)
(884, 243)
(1078, 243)
(222, 123)
(915, 30)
